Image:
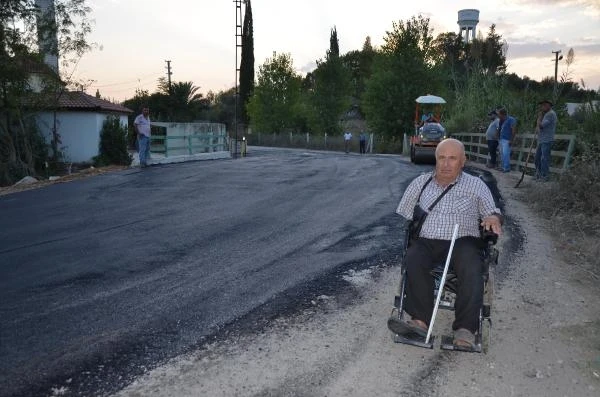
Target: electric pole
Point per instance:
(169, 73)
(238, 46)
(556, 59)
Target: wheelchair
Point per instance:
(490, 258)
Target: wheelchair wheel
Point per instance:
(488, 295)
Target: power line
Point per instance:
(154, 76)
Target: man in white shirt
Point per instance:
(142, 127)
(463, 199)
(347, 138)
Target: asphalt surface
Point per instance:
(103, 278)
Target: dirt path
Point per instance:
(545, 342)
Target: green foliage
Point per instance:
(276, 95)
(359, 65)
(402, 71)
(23, 151)
(113, 143)
(330, 91)
(247, 62)
(334, 44)
(488, 54)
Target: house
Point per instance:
(78, 119)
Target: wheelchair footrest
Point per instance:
(448, 344)
(414, 340)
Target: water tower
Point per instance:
(467, 21)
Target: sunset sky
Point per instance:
(135, 37)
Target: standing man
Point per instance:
(347, 138)
(508, 131)
(362, 139)
(492, 138)
(142, 127)
(546, 124)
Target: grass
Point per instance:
(573, 207)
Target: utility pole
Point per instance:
(169, 73)
(556, 59)
(238, 47)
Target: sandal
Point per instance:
(401, 327)
(464, 338)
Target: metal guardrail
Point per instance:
(477, 149)
(193, 144)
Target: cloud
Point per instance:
(542, 49)
(309, 67)
(589, 8)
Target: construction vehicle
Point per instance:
(429, 131)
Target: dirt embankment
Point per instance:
(545, 339)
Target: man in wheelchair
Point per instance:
(434, 203)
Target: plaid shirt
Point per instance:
(469, 201)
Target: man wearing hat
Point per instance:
(492, 138)
(546, 124)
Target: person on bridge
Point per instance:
(508, 131)
(546, 124)
(491, 136)
(467, 201)
(142, 128)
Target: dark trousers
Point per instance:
(363, 147)
(467, 263)
(492, 149)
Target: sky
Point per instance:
(134, 37)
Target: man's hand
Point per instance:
(492, 223)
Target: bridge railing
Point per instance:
(177, 145)
(562, 150)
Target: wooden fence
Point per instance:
(477, 150)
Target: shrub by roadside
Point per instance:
(113, 144)
(573, 207)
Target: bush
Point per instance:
(573, 206)
(113, 143)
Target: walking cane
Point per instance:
(442, 282)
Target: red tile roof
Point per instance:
(78, 100)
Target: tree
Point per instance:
(489, 54)
(272, 107)
(334, 45)
(113, 143)
(403, 71)
(22, 151)
(331, 89)
(247, 62)
(359, 65)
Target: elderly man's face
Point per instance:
(145, 112)
(450, 160)
(545, 107)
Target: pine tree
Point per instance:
(247, 62)
(330, 95)
(334, 45)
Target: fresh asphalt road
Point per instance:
(104, 277)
